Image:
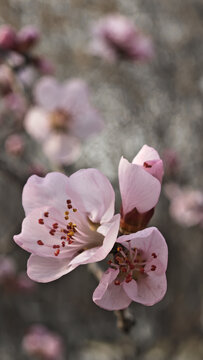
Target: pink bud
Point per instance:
(27, 37)
(7, 37)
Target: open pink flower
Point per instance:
(69, 221)
(63, 115)
(186, 206)
(140, 186)
(136, 273)
(115, 36)
(42, 343)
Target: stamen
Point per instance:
(154, 255)
(46, 214)
(40, 242)
(117, 282)
(41, 221)
(57, 252)
(56, 246)
(153, 267)
(74, 210)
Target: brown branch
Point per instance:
(125, 319)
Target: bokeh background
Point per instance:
(158, 103)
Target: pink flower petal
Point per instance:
(146, 153)
(109, 296)
(100, 205)
(39, 192)
(151, 241)
(37, 123)
(48, 93)
(98, 253)
(130, 289)
(75, 100)
(138, 188)
(151, 289)
(33, 232)
(62, 148)
(43, 269)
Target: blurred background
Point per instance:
(156, 102)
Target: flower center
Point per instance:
(62, 235)
(131, 264)
(59, 119)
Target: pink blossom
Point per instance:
(115, 36)
(6, 80)
(69, 221)
(7, 37)
(63, 115)
(171, 162)
(43, 343)
(140, 186)
(136, 273)
(186, 206)
(14, 144)
(27, 37)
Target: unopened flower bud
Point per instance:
(7, 37)
(27, 37)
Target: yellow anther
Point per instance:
(74, 210)
(66, 212)
(66, 217)
(71, 233)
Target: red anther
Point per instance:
(128, 278)
(55, 225)
(70, 241)
(52, 232)
(41, 221)
(63, 238)
(40, 242)
(57, 252)
(69, 206)
(109, 262)
(154, 255)
(153, 267)
(123, 269)
(146, 165)
(46, 214)
(119, 248)
(132, 266)
(56, 246)
(63, 243)
(68, 201)
(117, 282)
(142, 270)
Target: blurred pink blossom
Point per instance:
(115, 36)
(6, 80)
(62, 115)
(186, 204)
(7, 37)
(15, 103)
(140, 186)
(14, 144)
(171, 162)
(43, 343)
(69, 221)
(26, 38)
(137, 272)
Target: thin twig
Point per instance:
(125, 319)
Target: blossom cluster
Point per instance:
(70, 221)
